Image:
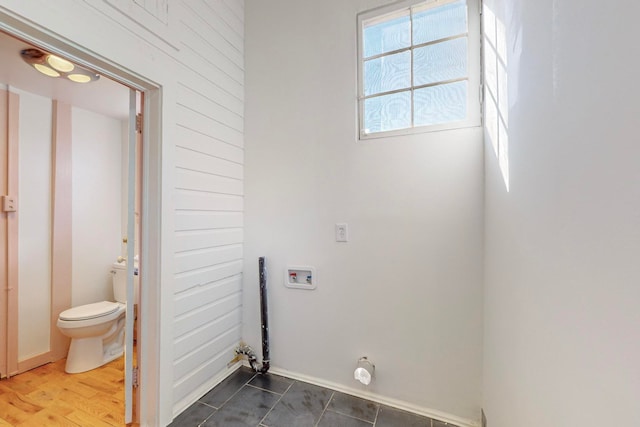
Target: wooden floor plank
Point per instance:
(48, 417)
(48, 396)
(84, 419)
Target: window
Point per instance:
(419, 67)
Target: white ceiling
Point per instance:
(103, 96)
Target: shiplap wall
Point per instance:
(208, 193)
(193, 49)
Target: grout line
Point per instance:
(237, 391)
(275, 404)
(375, 420)
(264, 389)
(205, 420)
(353, 416)
(325, 408)
(206, 404)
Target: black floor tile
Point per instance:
(390, 417)
(301, 406)
(246, 408)
(227, 388)
(333, 419)
(354, 406)
(274, 383)
(244, 399)
(193, 416)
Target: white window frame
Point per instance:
(474, 93)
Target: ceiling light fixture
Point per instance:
(54, 66)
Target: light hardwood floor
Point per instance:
(47, 396)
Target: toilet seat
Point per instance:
(91, 314)
(90, 311)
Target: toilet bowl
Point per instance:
(97, 334)
(96, 330)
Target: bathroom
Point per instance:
(71, 200)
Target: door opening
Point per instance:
(139, 208)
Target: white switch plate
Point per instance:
(342, 232)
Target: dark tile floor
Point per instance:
(250, 399)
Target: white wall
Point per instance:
(97, 230)
(194, 53)
(34, 223)
(562, 270)
(406, 290)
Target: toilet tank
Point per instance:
(119, 279)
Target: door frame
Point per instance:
(9, 108)
(148, 395)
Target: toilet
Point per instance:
(97, 330)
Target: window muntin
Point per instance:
(417, 69)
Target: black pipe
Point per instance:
(264, 321)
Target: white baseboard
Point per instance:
(394, 403)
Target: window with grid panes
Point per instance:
(419, 67)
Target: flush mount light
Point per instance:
(54, 66)
(60, 64)
(46, 70)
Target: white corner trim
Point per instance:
(398, 404)
(196, 394)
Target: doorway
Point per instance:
(58, 235)
(151, 380)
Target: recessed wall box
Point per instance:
(300, 277)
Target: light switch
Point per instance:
(342, 232)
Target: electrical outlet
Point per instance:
(9, 204)
(342, 232)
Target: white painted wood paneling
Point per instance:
(207, 220)
(192, 363)
(210, 108)
(193, 140)
(196, 200)
(195, 120)
(189, 343)
(203, 83)
(198, 259)
(195, 319)
(201, 62)
(207, 275)
(233, 35)
(194, 26)
(208, 193)
(200, 162)
(209, 369)
(200, 239)
(200, 296)
(237, 7)
(206, 182)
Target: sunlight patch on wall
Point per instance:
(496, 89)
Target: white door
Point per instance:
(131, 238)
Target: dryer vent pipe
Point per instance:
(244, 349)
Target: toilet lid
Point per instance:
(89, 311)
